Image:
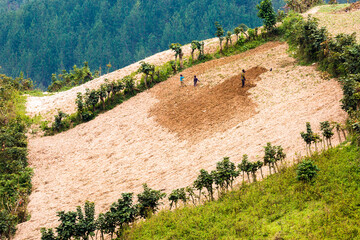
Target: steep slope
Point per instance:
(135, 143)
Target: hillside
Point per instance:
(44, 37)
(165, 135)
(280, 207)
(135, 143)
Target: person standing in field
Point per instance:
(181, 80)
(243, 79)
(195, 80)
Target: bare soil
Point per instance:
(143, 141)
(197, 112)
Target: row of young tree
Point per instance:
(327, 132)
(83, 224)
(15, 176)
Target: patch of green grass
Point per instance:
(277, 207)
(37, 93)
(332, 8)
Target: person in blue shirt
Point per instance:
(181, 80)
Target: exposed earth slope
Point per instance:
(165, 135)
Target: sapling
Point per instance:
(308, 137)
(327, 131)
(219, 33)
(204, 180)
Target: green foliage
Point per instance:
(219, 33)
(149, 69)
(267, 14)
(273, 154)
(276, 207)
(58, 124)
(121, 214)
(176, 195)
(351, 100)
(7, 224)
(245, 166)
(149, 201)
(304, 37)
(302, 6)
(15, 176)
(306, 171)
(205, 180)
(86, 224)
(47, 234)
(327, 132)
(121, 33)
(228, 39)
(338, 54)
(309, 135)
(225, 174)
(75, 77)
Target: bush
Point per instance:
(306, 171)
(149, 201)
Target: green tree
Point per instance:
(237, 31)
(267, 14)
(86, 224)
(102, 94)
(176, 195)
(91, 98)
(147, 69)
(245, 167)
(149, 201)
(219, 33)
(194, 46)
(228, 39)
(306, 171)
(123, 212)
(308, 137)
(204, 180)
(327, 132)
(224, 175)
(176, 47)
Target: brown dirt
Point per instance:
(197, 112)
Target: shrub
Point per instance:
(306, 171)
(149, 201)
(205, 180)
(176, 195)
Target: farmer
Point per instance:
(243, 79)
(195, 80)
(181, 80)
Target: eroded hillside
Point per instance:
(166, 134)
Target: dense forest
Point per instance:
(43, 37)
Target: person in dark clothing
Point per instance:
(195, 80)
(243, 79)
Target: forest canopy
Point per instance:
(44, 37)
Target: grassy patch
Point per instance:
(278, 207)
(332, 8)
(37, 93)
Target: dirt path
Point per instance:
(135, 143)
